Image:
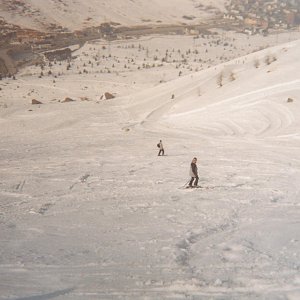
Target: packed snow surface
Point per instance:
(89, 211)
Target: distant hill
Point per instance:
(76, 14)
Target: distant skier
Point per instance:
(194, 173)
(161, 148)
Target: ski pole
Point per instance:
(186, 183)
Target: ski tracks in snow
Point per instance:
(264, 117)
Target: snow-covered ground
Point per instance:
(89, 211)
(77, 14)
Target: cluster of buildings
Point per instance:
(262, 15)
(19, 46)
(15, 35)
(12, 36)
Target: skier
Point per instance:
(194, 173)
(161, 148)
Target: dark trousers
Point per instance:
(196, 181)
(161, 151)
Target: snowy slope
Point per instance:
(253, 103)
(76, 14)
(88, 210)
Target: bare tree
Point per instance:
(220, 79)
(269, 59)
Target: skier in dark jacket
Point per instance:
(161, 148)
(194, 172)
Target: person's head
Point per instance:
(194, 160)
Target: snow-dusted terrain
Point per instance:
(77, 14)
(89, 211)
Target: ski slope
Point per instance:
(89, 211)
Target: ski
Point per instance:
(192, 187)
(195, 187)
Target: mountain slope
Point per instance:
(89, 211)
(75, 14)
(251, 101)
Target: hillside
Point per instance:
(89, 211)
(74, 14)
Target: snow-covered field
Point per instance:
(89, 211)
